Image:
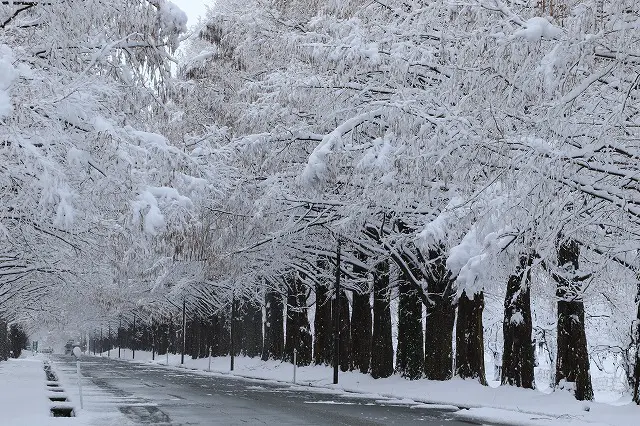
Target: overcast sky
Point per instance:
(193, 8)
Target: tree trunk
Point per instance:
(322, 343)
(361, 321)
(253, 328)
(409, 353)
(304, 329)
(221, 331)
(636, 368)
(470, 338)
(4, 340)
(345, 332)
(238, 324)
(518, 359)
(441, 315)
(572, 364)
(382, 347)
(274, 326)
(361, 331)
(298, 336)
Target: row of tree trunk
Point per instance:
(365, 330)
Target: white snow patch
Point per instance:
(537, 28)
(7, 75)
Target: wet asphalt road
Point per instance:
(163, 396)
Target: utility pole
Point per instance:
(119, 336)
(336, 319)
(233, 315)
(184, 329)
(153, 339)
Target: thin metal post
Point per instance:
(133, 343)
(109, 345)
(336, 319)
(101, 348)
(79, 383)
(209, 369)
(153, 341)
(119, 337)
(233, 315)
(184, 330)
(295, 364)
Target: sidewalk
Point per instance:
(24, 397)
(498, 405)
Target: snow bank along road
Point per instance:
(164, 396)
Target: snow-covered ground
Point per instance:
(493, 404)
(24, 397)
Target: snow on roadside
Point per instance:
(499, 405)
(23, 395)
(24, 398)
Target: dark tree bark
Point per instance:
(304, 329)
(470, 338)
(345, 332)
(322, 339)
(409, 354)
(518, 359)
(572, 364)
(361, 320)
(298, 335)
(238, 323)
(253, 329)
(322, 326)
(221, 333)
(382, 347)
(441, 315)
(636, 368)
(274, 326)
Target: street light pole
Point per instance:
(336, 319)
(233, 314)
(119, 336)
(184, 329)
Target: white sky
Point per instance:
(193, 8)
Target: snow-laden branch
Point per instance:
(317, 169)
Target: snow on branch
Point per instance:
(147, 208)
(7, 74)
(538, 28)
(470, 261)
(316, 169)
(435, 232)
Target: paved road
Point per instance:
(162, 396)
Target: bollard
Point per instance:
(209, 369)
(295, 364)
(77, 352)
